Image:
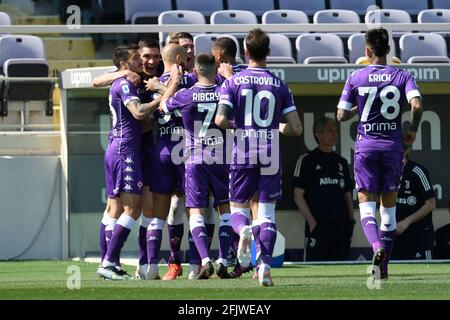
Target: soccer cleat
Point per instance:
(175, 270)
(377, 262)
(244, 253)
(239, 271)
(264, 276)
(141, 272)
(109, 273)
(222, 272)
(206, 271)
(193, 273)
(125, 274)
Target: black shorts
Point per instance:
(414, 244)
(328, 242)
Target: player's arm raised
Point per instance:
(141, 110)
(416, 115)
(108, 78)
(154, 85)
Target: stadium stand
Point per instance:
(144, 11)
(109, 12)
(206, 7)
(360, 7)
(178, 17)
(280, 49)
(307, 6)
(319, 48)
(203, 43)
(259, 9)
(423, 48)
(434, 16)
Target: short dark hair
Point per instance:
(257, 43)
(148, 43)
(181, 35)
(123, 53)
(227, 46)
(378, 41)
(205, 64)
(319, 125)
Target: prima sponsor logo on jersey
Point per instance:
(379, 126)
(254, 80)
(171, 130)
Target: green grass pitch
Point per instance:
(48, 280)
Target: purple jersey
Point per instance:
(236, 69)
(170, 123)
(378, 91)
(198, 106)
(125, 129)
(258, 99)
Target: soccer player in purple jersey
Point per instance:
(186, 40)
(224, 50)
(167, 177)
(206, 168)
(378, 91)
(150, 55)
(123, 170)
(256, 99)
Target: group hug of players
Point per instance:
(168, 155)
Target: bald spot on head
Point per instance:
(171, 51)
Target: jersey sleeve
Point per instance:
(177, 101)
(288, 104)
(127, 92)
(301, 173)
(347, 99)
(423, 182)
(226, 94)
(411, 88)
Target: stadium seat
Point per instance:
(319, 48)
(356, 44)
(203, 43)
(280, 49)
(285, 16)
(336, 16)
(387, 16)
(360, 7)
(24, 56)
(412, 7)
(441, 4)
(423, 48)
(234, 17)
(5, 19)
(434, 16)
(205, 7)
(257, 8)
(307, 6)
(179, 17)
(140, 11)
